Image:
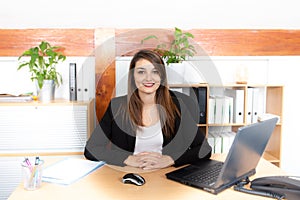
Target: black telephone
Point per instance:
(278, 187)
(287, 185)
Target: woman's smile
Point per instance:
(149, 84)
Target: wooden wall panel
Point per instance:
(128, 41)
(105, 68)
(218, 42)
(77, 42)
(248, 42)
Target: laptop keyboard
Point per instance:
(207, 176)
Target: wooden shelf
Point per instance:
(202, 125)
(56, 102)
(226, 124)
(273, 100)
(188, 85)
(270, 158)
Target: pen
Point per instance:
(35, 174)
(37, 160)
(28, 163)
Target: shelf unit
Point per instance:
(272, 102)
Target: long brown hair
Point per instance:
(167, 108)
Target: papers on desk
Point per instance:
(13, 98)
(69, 170)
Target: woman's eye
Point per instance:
(141, 72)
(155, 72)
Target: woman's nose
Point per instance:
(148, 76)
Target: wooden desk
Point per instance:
(105, 183)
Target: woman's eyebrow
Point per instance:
(140, 68)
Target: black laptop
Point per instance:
(246, 150)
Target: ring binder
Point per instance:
(201, 93)
(72, 82)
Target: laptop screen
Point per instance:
(247, 148)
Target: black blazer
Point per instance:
(113, 140)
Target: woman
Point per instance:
(150, 127)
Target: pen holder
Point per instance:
(32, 175)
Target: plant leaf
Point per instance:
(148, 37)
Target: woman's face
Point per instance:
(146, 77)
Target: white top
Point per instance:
(149, 139)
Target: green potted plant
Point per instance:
(42, 66)
(179, 48)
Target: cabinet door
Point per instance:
(32, 129)
(10, 173)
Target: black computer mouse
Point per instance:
(132, 178)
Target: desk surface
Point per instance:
(105, 183)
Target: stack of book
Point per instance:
(14, 98)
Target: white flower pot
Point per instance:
(47, 92)
(175, 73)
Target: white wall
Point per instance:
(155, 13)
(188, 14)
(283, 69)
